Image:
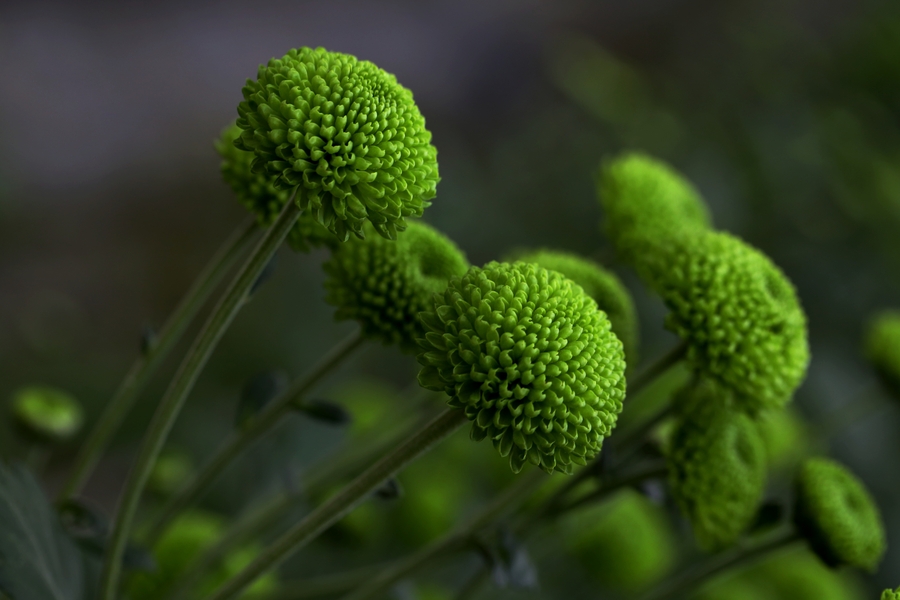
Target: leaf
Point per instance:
(38, 561)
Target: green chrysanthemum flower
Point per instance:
(738, 314)
(837, 515)
(717, 466)
(645, 200)
(346, 133)
(46, 414)
(601, 285)
(891, 594)
(385, 284)
(882, 347)
(626, 544)
(258, 194)
(530, 358)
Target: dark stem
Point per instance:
(681, 585)
(339, 505)
(182, 384)
(258, 426)
(663, 364)
(459, 538)
(146, 364)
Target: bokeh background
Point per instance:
(786, 115)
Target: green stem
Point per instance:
(455, 540)
(344, 501)
(651, 471)
(170, 405)
(262, 423)
(144, 367)
(260, 519)
(687, 581)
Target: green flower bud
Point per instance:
(837, 515)
(626, 544)
(717, 466)
(882, 346)
(258, 194)
(385, 284)
(603, 286)
(529, 357)
(891, 594)
(46, 414)
(645, 200)
(738, 313)
(346, 133)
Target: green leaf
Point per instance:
(38, 561)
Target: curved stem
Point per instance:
(171, 403)
(146, 364)
(686, 581)
(652, 471)
(262, 423)
(663, 364)
(343, 502)
(323, 585)
(516, 493)
(262, 518)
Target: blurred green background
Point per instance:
(786, 115)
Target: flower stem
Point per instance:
(262, 423)
(343, 502)
(170, 405)
(262, 518)
(688, 580)
(144, 367)
(513, 495)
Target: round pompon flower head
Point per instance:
(891, 594)
(530, 358)
(837, 516)
(603, 286)
(645, 200)
(738, 314)
(717, 465)
(882, 346)
(46, 414)
(258, 194)
(346, 134)
(385, 284)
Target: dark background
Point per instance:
(786, 114)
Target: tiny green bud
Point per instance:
(46, 414)
(738, 314)
(645, 200)
(384, 284)
(600, 284)
(882, 347)
(258, 194)
(717, 465)
(171, 471)
(346, 134)
(838, 517)
(530, 358)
